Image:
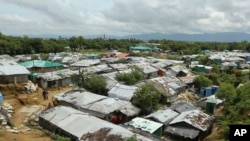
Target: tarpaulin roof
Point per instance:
(1, 97)
(163, 116)
(145, 124)
(13, 70)
(122, 92)
(182, 131)
(79, 123)
(98, 105)
(40, 64)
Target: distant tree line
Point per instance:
(13, 45)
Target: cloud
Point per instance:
(178, 16)
(121, 17)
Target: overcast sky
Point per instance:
(122, 17)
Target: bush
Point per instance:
(57, 137)
(147, 98)
(130, 78)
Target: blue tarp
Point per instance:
(1, 97)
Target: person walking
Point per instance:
(44, 95)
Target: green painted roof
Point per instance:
(40, 64)
(141, 48)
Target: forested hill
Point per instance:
(14, 45)
(206, 37)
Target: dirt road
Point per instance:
(18, 118)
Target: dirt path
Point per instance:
(18, 119)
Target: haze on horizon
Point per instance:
(122, 17)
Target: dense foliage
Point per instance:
(130, 78)
(26, 45)
(92, 82)
(147, 98)
(202, 81)
(97, 84)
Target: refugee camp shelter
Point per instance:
(41, 65)
(98, 69)
(146, 125)
(164, 116)
(97, 105)
(140, 49)
(85, 63)
(12, 72)
(55, 79)
(193, 124)
(75, 124)
(170, 86)
(123, 92)
(183, 107)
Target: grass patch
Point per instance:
(56, 137)
(1, 133)
(92, 51)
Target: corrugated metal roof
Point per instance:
(110, 59)
(163, 116)
(179, 68)
(188, 79)
(4, 62)
(97, 68)
(148, 69)
(79, 98)
(167, 82)
(49, 76)
(112, 75)
(98, 103)
(195, 118)
(78, 123)
(119, 66)
(159, 65)
(13, 70)
(183, 106)
(145, 124)
(86, 63)
(183, 132)
(111, 82)
(122, 92)
(55, 75)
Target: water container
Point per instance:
(202, 91)
(208, 91)
(214, 89)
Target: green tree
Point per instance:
(147, 98)
(80, 41)
(96, 84)
(73, 43)
(216, 68)
(80, 79)
(92, 82)
(203, 60)
(202, 81)
(227, 92)
(227, 78)
(130, 78)
(44, 56)
(34, 57)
